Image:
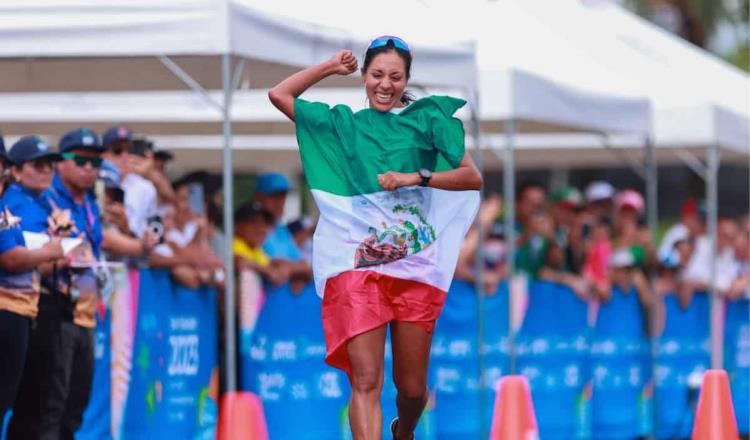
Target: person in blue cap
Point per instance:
(270, 191)
(59, 366)
(32, 165)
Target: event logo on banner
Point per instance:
(284, 365)
(175, 381)
(553, 355)
(464, 399)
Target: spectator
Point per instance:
(55, 409)
(599, 198)
(698, 271)
(494, 265)
(252, 226)
(161, 158)
(19, 291)
(535, 227)
(186, 250)
(302, 231)
(741, 285)
(270, 191)
(630, 231)
(3, 166)
(692, 223)
(144, 186)
(564, 256)
(117, 242)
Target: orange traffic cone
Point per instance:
(513, 417)
(714, 417)
(241, 417)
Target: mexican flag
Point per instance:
(410, 236)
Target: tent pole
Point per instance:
(712, 197)
(476, 131)
(509, 207)
(229, 306)
(652, 219)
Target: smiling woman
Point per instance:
(396, 193)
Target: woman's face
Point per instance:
(35, 175)
(385, 81)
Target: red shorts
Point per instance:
(358, 301)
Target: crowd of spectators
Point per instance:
(597, 239)
(115, 197)
(68, 213)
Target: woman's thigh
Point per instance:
(410, 345)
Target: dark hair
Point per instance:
(251, 211)
(526, 186)
(370, 55)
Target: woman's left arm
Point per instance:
(463, 178)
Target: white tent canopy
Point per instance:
(133, 28)
(698, 99)
(65, 31)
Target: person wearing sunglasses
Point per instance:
(32, 163)
(397, 193)
(57, 378)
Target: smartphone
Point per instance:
(139, 147)
(156, 224)
(116, 195)
(196, 198)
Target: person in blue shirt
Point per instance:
(32, 164)
(270, 191)
(52, 399)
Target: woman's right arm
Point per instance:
(282, 95)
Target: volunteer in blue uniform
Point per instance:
(75, 214)
(32, 163)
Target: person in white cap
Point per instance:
(599, 198)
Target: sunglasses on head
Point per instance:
(81, 161)
(383, 41)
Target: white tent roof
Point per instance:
(556, 90)
(698, 99)
(132, 28)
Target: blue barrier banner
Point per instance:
(620, 357)
(174, 385)
(303, 398)
(737, 359)
(553, 353)
(97, 420)
(682, 349)
(463, 408)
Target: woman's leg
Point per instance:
(411, 355)
(366, 353)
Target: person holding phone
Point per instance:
(144, 186)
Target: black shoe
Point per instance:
(394, 427)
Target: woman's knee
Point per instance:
(411, 387)
(367, 380)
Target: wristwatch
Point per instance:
(425, 175)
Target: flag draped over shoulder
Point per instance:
(411, 234)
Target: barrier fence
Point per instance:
(591, 369)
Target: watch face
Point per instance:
(425, 173)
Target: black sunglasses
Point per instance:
(81, 161)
